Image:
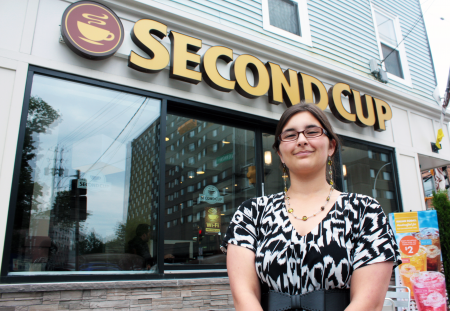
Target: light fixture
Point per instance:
(167, 138)
(344, 170)
(225, 142)
(200, 172)
(268, 157)
(235, 185)
(222, 214)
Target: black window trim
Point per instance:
(168, 104)
(397, 192)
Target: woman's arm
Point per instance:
(369, 285)
(244, 281)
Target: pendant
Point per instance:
(305, 218)
(290, 210)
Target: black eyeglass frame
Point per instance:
(324, 131)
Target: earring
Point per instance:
(285, 176)
(330, 172)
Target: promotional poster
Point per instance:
(417, 234)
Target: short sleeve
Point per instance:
(375, 241)
(243, 230)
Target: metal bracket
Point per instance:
(434, 148)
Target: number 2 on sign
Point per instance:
(409, 245)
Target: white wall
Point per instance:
(12, 82)
(410, 183)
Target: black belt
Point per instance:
(318, 300)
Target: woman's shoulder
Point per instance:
(358, 201)
(264, 200)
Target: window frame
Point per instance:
(169, 104)
(305, 30)
(401, 47)
(394, 176)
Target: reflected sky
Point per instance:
(94, 131)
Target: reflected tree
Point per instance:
(90, 244)
(40, 118)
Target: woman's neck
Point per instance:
(307, 185)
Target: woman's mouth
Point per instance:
(303, 153)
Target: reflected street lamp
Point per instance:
(375, 183)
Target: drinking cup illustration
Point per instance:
(429, 291)
(430, 234)
(406, 272)
(433, 257)
(417, 263)
(94, 34)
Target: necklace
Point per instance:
(305, 218)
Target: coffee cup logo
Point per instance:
(91, 30)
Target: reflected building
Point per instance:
(141, 197)
(203, 158)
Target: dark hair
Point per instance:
(141, 229)
(318, 114)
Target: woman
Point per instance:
(312, 237)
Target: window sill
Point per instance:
(404, 81)
(48, 287)
(305, 39)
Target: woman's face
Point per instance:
(305, 156)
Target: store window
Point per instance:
(218, 179)
(287, 18)
(87, 188)
(391, 46)
(370, 170)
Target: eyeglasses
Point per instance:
(311, 132)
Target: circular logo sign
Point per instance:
(91, 30)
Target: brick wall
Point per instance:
(188, 294)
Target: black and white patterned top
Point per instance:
(354, 233)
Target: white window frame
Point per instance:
(401, 48)
(302, 6)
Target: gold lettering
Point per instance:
(335, 102)
(362, 106)
(283, 87)
(310, 86)
(141, 34)
(183, 54)
(384, 113)
(260, 74)
(209, 68)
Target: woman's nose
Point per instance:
(302, 140)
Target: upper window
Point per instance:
(287, 18)
(391, 47)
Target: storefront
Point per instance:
(126, 161)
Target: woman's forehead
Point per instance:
(301, 120)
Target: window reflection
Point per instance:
(212, 168)
(370, 172)
(88, 180)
